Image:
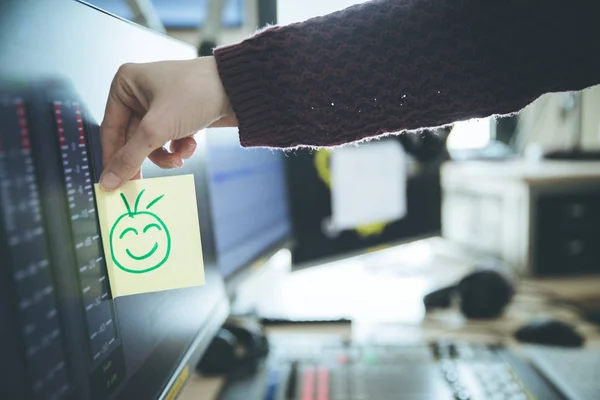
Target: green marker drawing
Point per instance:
(125, 234)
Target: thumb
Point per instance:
(127, 161)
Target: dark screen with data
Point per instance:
(62, 334)
(248, 198)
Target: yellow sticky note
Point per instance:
(151, 235)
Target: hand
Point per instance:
(151, 104)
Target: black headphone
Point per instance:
(481, 294)
(236, 350)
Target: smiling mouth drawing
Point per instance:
(148, 254)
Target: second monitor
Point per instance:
(248, 201)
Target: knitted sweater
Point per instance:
(393, 65)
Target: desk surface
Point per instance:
(534, 298)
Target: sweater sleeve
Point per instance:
(388, 66)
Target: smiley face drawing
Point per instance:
(139, 240)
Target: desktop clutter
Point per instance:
(439, 366)
(482, 294)
(553, 226)
(236, 349)
(544, 349)
(485, 294)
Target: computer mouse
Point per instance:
(550, 332)
(235, 350)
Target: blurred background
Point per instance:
(460, 262)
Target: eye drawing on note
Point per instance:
(139, 240)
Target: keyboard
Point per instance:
(412, 371)
(575, 372)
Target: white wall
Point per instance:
(591, 118)
(289, 11)
(546, 125)
(228, 36)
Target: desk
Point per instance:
(203, 388)
(534, 298)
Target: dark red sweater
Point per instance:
(392, 65)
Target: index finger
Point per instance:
(113, 127)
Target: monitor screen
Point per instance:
(248, 199)
(62, 336)
(317, 239)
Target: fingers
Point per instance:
(184, 147)
(181, 149)
(132, 128)
(225, 122)
(114, 126)
(127, 161)
(164, 159)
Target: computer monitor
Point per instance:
(248, 203)
(316, 240)
(61, 334)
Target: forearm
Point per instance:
(393, 65)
